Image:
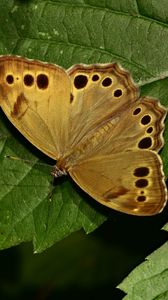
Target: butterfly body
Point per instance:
(90, 119)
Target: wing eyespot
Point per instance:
(141, 172)
(137, 111)
(141, 198)
(10, 79)
(145, 143)
(149, 129)
(107, 82)
(28, 80)
(42, 81)
(141, 183)
(146, 120)
(95, 77)
(80, 81)
(118, 93)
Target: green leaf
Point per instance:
(149, 281)
(31, 209)
(69, 32)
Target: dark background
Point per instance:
(82, 266)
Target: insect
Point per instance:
(91, 120)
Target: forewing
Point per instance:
(99, 92)
(35, 97)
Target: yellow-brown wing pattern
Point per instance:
(35, 97)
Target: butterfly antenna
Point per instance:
(25, 160)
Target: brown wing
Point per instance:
(99, 92)
(35, 96)
(139, 127)
(131, 182)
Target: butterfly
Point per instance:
(92, 121)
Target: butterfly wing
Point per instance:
(131, 182)
(140, 127)
(120, 139)
(35, 97)
(99, 92)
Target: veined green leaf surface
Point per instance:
(66, 33)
